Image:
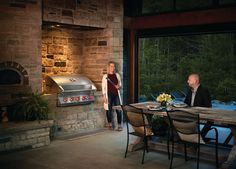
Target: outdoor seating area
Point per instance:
(117, 84)
(215, 115)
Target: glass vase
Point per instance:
(163, 105)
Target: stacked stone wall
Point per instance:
(20, 135)
(20, 34)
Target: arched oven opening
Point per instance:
(14, 80)
(12, 73)
(10, 77)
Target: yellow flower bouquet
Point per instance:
(164, 98)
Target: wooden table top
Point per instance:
(226, 117)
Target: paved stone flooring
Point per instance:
(103, 150)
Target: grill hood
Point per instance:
(71, 89)
(71, 83)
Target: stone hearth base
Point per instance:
(19, 135)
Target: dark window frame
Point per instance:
(134, 8)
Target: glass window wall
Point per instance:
(166, 62)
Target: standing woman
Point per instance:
(111, 83)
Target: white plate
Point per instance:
(179, 105)
(153, 107)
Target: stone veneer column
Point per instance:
(20, 34)
(104, 45)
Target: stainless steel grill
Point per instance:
(71, 89)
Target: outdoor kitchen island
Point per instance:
(75, 103)
(76, 119)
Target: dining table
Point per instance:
(226, 118)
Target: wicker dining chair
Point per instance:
(185, 128)
(136, 119)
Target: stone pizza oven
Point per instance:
(14, 79)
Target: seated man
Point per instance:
(198, 96)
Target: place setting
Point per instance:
(154, 107)
(180, 105)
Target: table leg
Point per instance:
(137, 144)
(232, 154)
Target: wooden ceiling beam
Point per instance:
(210, 16)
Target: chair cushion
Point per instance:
(185, 127)
(137, 122)
(192, 138)
(140, 130)
(136, 119)
(187, 131)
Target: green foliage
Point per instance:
(166, 62)
(30, 107)
(227, 90)
(158, 124)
